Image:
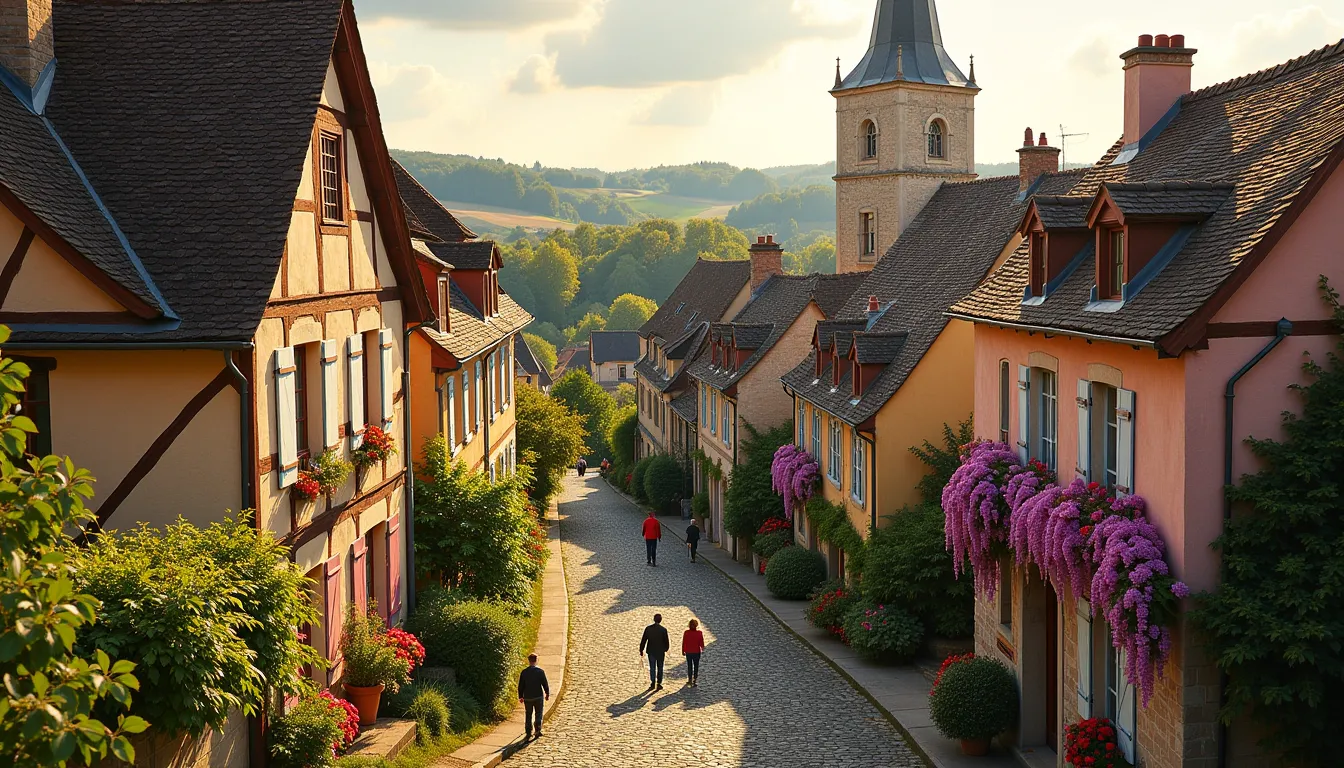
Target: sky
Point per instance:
(617, 84)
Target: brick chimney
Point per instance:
(27, 44)
(1034, 159)
(767, 260)
(1157, 73)
(874, 311)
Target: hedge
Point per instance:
(663, 481)
(794, 572)
(480, 641)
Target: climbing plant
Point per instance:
(751, 498)
(832, 525)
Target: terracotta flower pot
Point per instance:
(972, 747)
(365, 699)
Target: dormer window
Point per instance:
(936, 143)
(1113, 262)
(868, 140)
(443, 305)
(1039, 263)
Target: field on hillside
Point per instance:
(475, 214)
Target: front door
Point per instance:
(1052, 668)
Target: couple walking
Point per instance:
(656, 642)
(653, 533)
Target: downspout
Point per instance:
(244, 426)
(410, 465)
(1282, 331)
(872, 480)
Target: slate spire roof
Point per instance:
(906, 44)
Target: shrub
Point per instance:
(480, 641)
(208, 614)
(1091, 743)
(637, 478)
(751, 498)
(700, 505)
(550, 441)
(942, 460)
(974, 699)
(663, 481)
(794, 572)
(831, 524)
(463, 710)
(908, 565)
(771, 543)
(430, 711)
(830, 603)
(883, 632)
(370, 658)
(622, 436)
(306, 736)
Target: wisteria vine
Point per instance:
(794, 474)
(1078, 536)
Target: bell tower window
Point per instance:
(936, 140)
(868, 234)
(868, 141)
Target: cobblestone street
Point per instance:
(764, 699)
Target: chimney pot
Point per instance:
(1026, 141)
(769, 239)
(873, 306)
(1156, 77)
(1043, 141)
(1145, 41)
(1178, 41)
(760, 240)
(1162, 41)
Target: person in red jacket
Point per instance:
(692, 645)
(653, 531)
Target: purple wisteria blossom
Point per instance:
(977, 513)
(793, 475)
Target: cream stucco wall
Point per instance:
(608, 373)
(46, 282)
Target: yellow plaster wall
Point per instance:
(306, 181)
(301, 254)
(48, 283)
(335, 263)
(359, 192)
(331, 90)
(363, 251)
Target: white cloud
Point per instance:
(411, 92)
(537, 75)
(683, 106)
(1270, 39)
(477, 14)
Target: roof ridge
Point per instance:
(1255, 78)
(1162, 185)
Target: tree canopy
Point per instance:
(578, 391)
(550, 440)
(543, 350)
(629, 312)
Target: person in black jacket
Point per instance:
(656, 642)
(533, 690)
(693, 538)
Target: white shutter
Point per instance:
(451, 437)
(480, 396)
(1084, 651)
(1126, 713)
(1023, 412)
(286, 428)
(354, 354)
(466, 404)
(491, 403)
(509, 372)
(386, 350)
(1084, 466)
(331, 387)
(1124, 444)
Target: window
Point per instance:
(1006, 597)
(868, 233)
(1116, 273)
(868, 140)
(816, 433)
(620, 372)
(333, 203)
(1109, 400)
(936, 139)
(701, 390)
(833, 469)
(443, 305)
(713, 413)
(480, 396)
(856, 466)
(301, 400)
(490, 386)
(1039, 272)
(1047, 450)
(727, 423)
(36, 405)
(1005, 397)
(468, 426)
(450, 395)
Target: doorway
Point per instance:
(1052, 667)
(1039, 673)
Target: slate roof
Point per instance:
(775, 306)
(705, 294)
(572, 357)
(908, 28)
(158, 104)
(476, 254)
(470, 333)
(428, 211)
(1268, 134)
(678, 349)
(685, 405)
(1161, 198)
(944, 253)
(613, 346)
(527, 360)
(878, 348)
(1061, 211)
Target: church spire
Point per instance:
(838, 81)
(906, 40)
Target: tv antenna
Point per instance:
(1064, 144)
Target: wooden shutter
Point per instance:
(286, 428)
(492, 401)
(1084, 651)
(466, 404)
(451, 437)
(1126, 713)
(1023, 412)
(331, 403)
(386, 350)
(354, 354)
(510, 374)
(394, 566)
(1084, 466)
(331, 618)
(361, 574)
(1124, 444)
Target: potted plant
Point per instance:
(1091, 743)
(375, 448)
(974, 700)
(323, 475)
(372, 662)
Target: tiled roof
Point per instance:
(685, 405)
(948, 249)
(159, 104)
(476, 254)
(613, 346)
(703, 295)
(749, 336)
(572, 357)
(527, 360)
(469, 333)
(878, 348)
(1062, 211)
(1268, 134)
(1160, 198)
(833, 292)
(430, 214)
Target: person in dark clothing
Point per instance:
(533, 691)
(656, 643)
(693, 538)
(582, 466)
(653, 531)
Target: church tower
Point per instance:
(905, 123)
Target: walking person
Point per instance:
(655, 642)
(693, 538)
(533, 692)
(582, 466)
(692, 645)
(653, 531)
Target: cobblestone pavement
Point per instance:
(764, 699)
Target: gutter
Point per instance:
(1282, 331)
(1044, 329)
(432, 322)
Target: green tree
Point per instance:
(818, 256)
(578, 391)
(942, 460)
(543, 350)
(51, 688)
(751, 497)
(622, 435)
(548, 331)
(552, 274)
(579, 333)
(550, 441)
(625, 395)
(629, 312)
(1274, 625)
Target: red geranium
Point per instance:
(955, 658)
(308, 487)
(774, 524)
(407, 647)
(349, 726)
(1091, 743)
(376, 447)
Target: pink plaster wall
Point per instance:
(1150, 90)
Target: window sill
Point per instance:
(856, 500)
(834, 481)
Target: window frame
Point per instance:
(713, 413)
(335, 175)
(868, 140)
(727, 421)
(1047, 422)
(816, 433)
(835, 456)
(936, 144)
(867, 233)
(301, 443)
(1005, 401)
(38, 410)
(857, 467)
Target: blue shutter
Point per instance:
(1023, 412)
(1124, 449)
(286, 428)
(1084, 653)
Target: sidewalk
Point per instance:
(552, 651)
(901, 693)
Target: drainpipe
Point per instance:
(872, 479)
(432, 322)
(1282, 331)
(244, 428)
